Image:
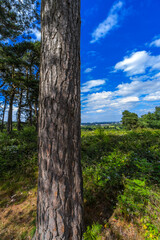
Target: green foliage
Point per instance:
(121, 173)
(23, 235)
(140, 201)
(129, 120)
(123, 166)
(12, 22)
(18, 151)
(135, 197)
(92, 233)
(33, 232)
(107, 158)
(151, 120)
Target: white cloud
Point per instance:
(109, 23)
(157, 75)
(129, 99)
(104, 100)
(89, 85)
(99, 96)
(138, 88)
(127, 96)
(138, 63)
(88, 70)
(139, 95)
(124, 103)
(152, 97)
(37, 34)
(134, 64)
(100, 110)
(155, 43)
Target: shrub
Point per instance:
(93, 232)
(135, 197)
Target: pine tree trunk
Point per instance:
(30, 114)
(29, 100)
(36, 114)
(4, 110)
(9, 127)
(19, 111)
(29, 104)
(60, 200)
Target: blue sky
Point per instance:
(120, 58)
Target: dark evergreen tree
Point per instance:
(19, 70)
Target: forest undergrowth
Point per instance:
(121, 173)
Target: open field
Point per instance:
(121, 172)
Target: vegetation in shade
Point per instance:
(121, 172)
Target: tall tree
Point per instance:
(19, 109)
(151, 120)
(60, 200)
(129, 120)
(3, 113)
(19, 75)
(17, 16)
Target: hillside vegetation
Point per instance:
(121, 172)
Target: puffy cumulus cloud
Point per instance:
(138, 88)
(124, 103)
(101, 101)
(99, 96)
(109, 23)
(138, 63)
(127, 96)
(139, 95)
(152, 97)
(134, 64)
(88, 70)
(128, 100)
(96, 101)
(155, 43)
(90, 85)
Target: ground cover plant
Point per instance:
(121, 172)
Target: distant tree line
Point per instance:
(149, 120)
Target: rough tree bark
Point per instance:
(9, 124)
(28, 77)
(3, 114)
(36, 114)
(60, 198)
(19, 110)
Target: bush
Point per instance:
(93, 232)
(18, 151)
(135, 197)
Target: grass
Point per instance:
(121, 172)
